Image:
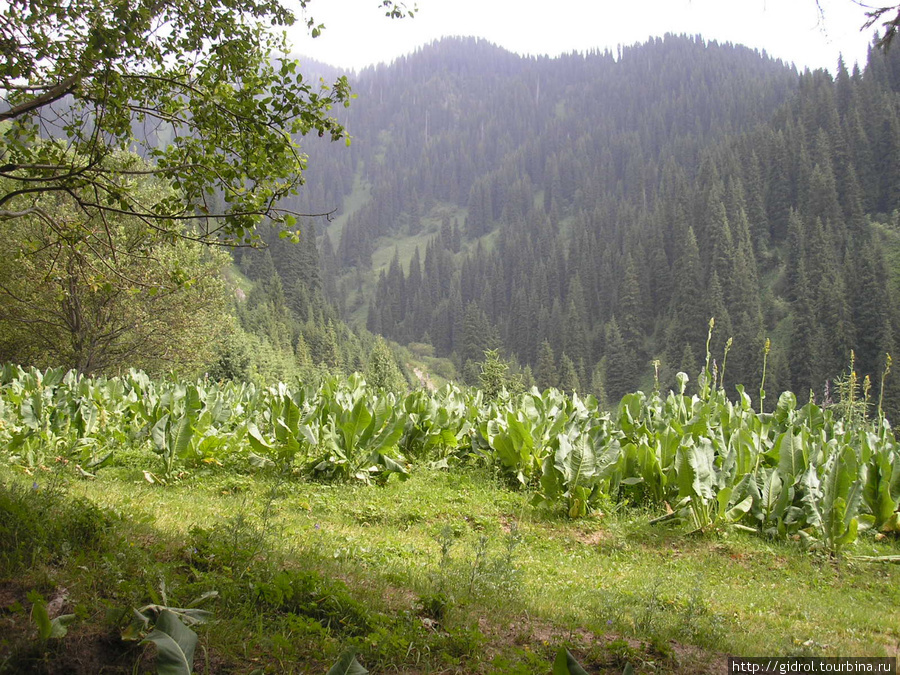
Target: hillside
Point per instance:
(597, 209)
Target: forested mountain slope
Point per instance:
(589, 213)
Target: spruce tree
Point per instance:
(806, 343)
(568, 375)
(688, 317)
(382, 369)
(620, 375)
(545, 373)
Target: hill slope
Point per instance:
(608, 205)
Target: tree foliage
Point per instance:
(198, 88)
(382, 369)
(99, 294)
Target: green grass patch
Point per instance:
(445, 572)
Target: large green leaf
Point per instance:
(506, 451)
(347, 664)
(353, 423)
(739, 510)
(257, 442)
(812, 497)
(291, 415)
(841, 496)
(792, 452)
(771, 488)
(158, 433)
(181, 436)
(41, 618)
(32, 411)
(695, 470)
(877, 488)
(387, 437)
(576, 461)
(175, 643)
(785, 409)
(565, 664)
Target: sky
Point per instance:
(357, 34)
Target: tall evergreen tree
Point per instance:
(545, 373)
(620, 374)
(568, 375)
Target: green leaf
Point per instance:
(877, 489)
(259, 462)
(739, 510)
(183, 433)
(42, 619)
(354, 424)
(792, 455)
(257, 442)
(59, 625)
(565, 664)
(347, 664)
(309, 434)
(175, 643)
(770, 491)
(291, 416)
(158, 433)
(695, 470)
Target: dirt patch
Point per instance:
(606, 653)
(10, 594)
(592, 538)
(424, 379)
(86, 649)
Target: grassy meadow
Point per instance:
(448, 572)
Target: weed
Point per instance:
(446, 538)
(307, 593)
(434, 605)
(478, 563)
(234, 544)
(46, 525)
(850, 406)
(647, 621)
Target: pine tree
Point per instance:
(492, 376)
(756, 206)
(778, 197)
(689, 363)
(806, 343)
(716, 309)
(598, 383)
(382, 369)
(575, 342)
(620, 375)
(632, 309)
(568, 375)
(330, 353)
(688, 320)
(545, 372)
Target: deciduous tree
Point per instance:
(203, 89)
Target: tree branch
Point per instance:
(54, 93)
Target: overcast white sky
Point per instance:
(357, 33)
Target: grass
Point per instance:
(358, 197)
(448, 572)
